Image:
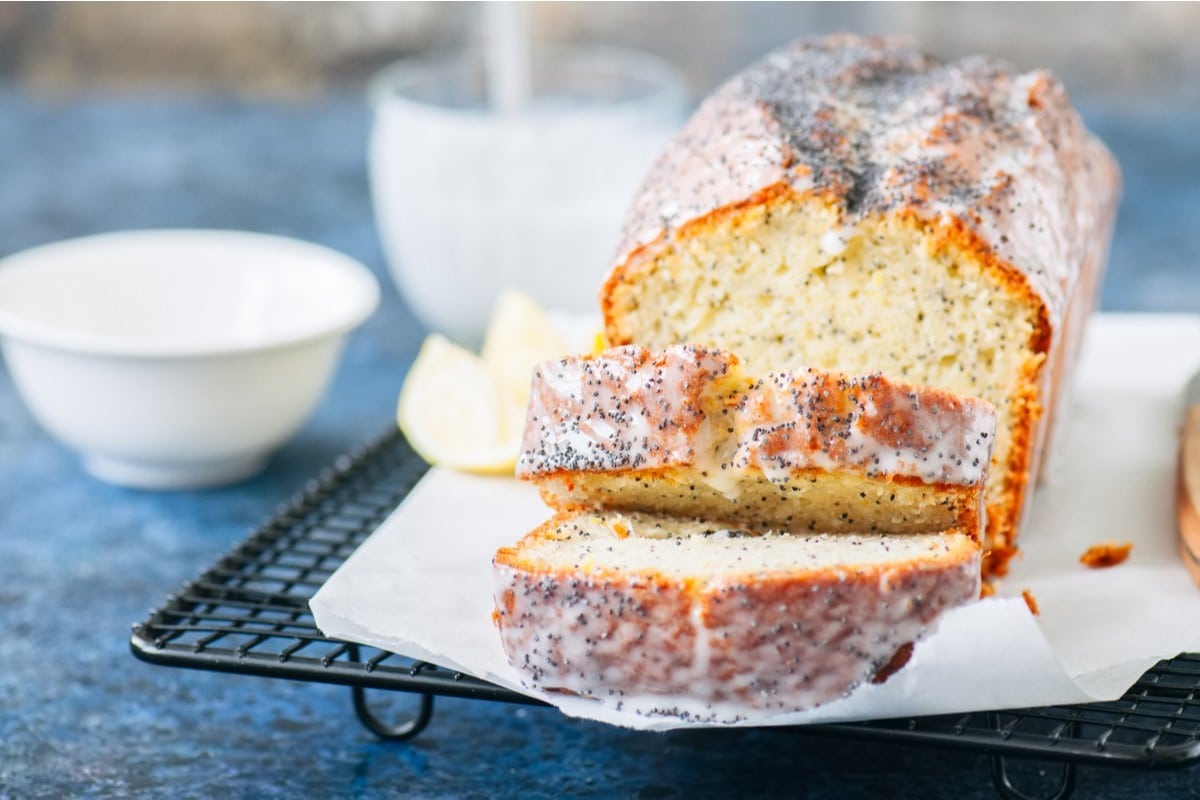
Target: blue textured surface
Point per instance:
(80, 561)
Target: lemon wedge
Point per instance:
(519, 337)
(453, 412)
(599, 343)
(467, 411)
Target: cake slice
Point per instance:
(686, 431)
(687, 618)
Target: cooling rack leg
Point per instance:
(393, 733)
(1004, 786)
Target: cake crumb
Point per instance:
(1106, 554)
(894, 665)
(1030, 601)
(996, 560)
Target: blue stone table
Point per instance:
(80, 561)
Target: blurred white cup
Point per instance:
(470, 200)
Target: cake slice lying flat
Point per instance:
(686, 431)
(686, 618)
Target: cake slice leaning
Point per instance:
(686, 431)
(687, 618)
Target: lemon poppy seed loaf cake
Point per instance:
(850, 203)
(687, 431)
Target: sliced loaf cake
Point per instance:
(728, 545)
(851, 203)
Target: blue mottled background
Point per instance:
(80, 561)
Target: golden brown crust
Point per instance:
(1106, 554)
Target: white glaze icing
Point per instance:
(631, 408)
(879, 126)
(638, 625)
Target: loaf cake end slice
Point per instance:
(686, 618)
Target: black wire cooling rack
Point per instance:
(248, 614)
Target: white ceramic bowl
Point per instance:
(177, 359)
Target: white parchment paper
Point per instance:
(421, 585)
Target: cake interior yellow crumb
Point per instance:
(786, 286)
(832, 502)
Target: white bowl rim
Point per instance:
(670, 85)
(362, 282)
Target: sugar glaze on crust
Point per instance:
(724, 645)
(688, 406)
(878, 127)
